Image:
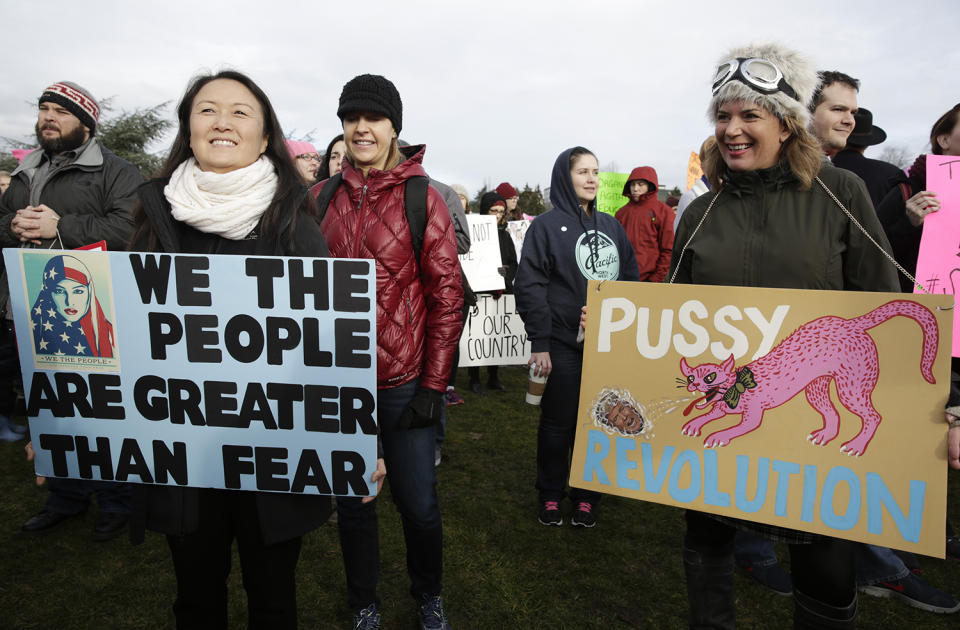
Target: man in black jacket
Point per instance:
(879, 176)
(70, 193)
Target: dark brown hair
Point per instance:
(943, 126)
(278, 220)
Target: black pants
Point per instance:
(823, 570)
(201, 561)
(558, 427)
(9, 366)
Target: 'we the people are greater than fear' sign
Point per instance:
(241, 372)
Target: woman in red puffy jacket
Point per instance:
(418, 325)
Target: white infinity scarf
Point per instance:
(226, 204)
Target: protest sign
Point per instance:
(482, 262)
(815, 410)
(240, 372)
(938, 265)
(610, 194)
(517, 231)
(494, 334)
(694, 170)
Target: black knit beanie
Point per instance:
(76, 100)
(372, 93)
(489, 200)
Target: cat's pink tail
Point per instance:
(918, 313)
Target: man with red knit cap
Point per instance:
(70, 193)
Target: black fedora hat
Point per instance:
(865, 133)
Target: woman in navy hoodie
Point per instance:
(564, 248)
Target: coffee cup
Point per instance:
(535, 385)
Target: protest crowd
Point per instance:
(787, 200)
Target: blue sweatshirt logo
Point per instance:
(597, 256)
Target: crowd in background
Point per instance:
(785, 169)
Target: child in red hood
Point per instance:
(648, 223)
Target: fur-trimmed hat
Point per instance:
(797, 72)
(76, 100)
(372, 93)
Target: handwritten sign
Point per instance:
(482, 262)
(233, 372)
(938, 265)
(814, 410)
(494, 334)
(694, 170)
(517, 231)
(610, 195)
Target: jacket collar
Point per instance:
(742, 183)
(90, 155)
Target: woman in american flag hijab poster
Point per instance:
(67, 319)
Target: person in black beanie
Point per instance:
(419, 301)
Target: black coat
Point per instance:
(94, 196)
(879, 176)
(176, 510)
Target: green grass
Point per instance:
(502, 568)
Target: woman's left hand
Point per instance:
(378, 475)
(953, 444)
(583, 317)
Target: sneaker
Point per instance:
(367, 619)
(437, 457)
(7, 434)
(550, 514)
(431, 614)
(453, 398)
(773, 576)
(915, 592)
(584, 516)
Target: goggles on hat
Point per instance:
(759, 74)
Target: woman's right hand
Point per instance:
(542, 361)
(920, 205)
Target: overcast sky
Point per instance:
(495, 89)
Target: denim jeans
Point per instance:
(408, 454)
(878, 564)
(751, 550)
(558, 427)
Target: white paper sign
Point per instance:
(482, 262)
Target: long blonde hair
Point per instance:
(800, 152)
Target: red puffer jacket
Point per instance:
(418, 306)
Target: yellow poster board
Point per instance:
(707, 398)
(694, 170)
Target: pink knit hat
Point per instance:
(296, 147)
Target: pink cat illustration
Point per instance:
(826, 348)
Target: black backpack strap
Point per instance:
(415, 205)
(326, 194)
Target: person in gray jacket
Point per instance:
(73, 192)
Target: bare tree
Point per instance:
(896, 154)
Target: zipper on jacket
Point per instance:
(409, 310)
(358, 233)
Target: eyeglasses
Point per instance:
(312, 157)
(760, 74)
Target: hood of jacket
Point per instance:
(646, 173)
(562, 195)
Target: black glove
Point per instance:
(424, 410)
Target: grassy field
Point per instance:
(502, 568)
